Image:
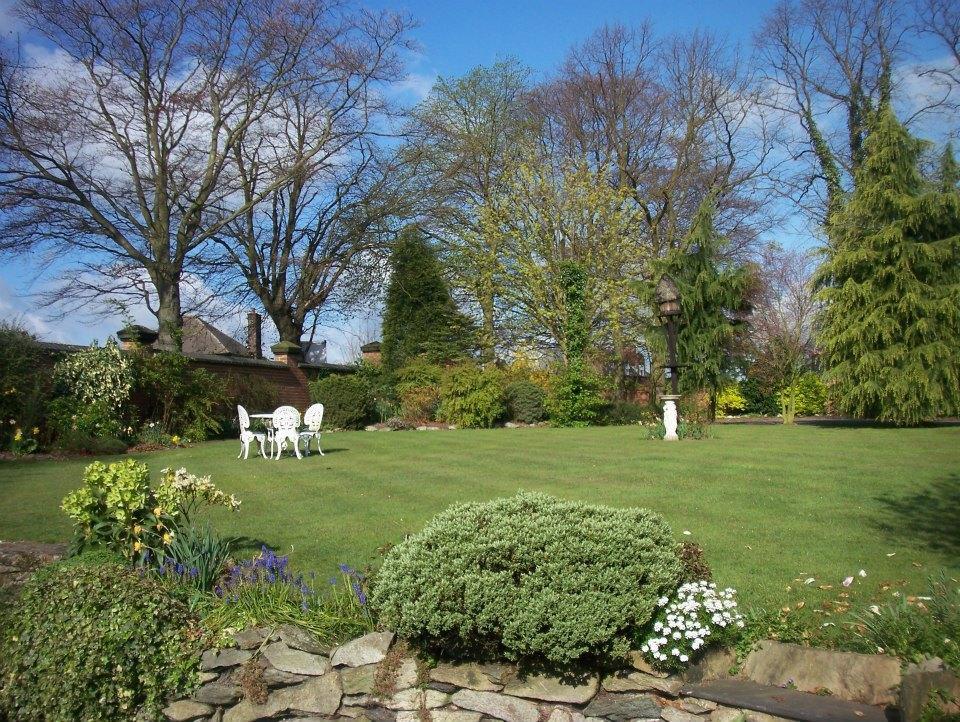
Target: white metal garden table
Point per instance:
(267, 419)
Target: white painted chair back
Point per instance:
(286, 418)
(286, 428)
(246, 435)
(313, 417)
(244, 418)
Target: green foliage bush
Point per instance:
(731, 401)
(346, 399)
(24, 382)
(95, 643)
(759, 400)
(118, 509)
(914, 631)
(576, 398)
(80, 442)
(93, 390)
(526, 402)
(417, 387)
(811, 395)
(627, 413)
(529, 577)
(183, 400)
(472, 396)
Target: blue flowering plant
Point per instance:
(265, 591)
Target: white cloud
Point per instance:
(415, 86)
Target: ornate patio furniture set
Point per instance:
(283, 426)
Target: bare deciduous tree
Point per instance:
(117, 147)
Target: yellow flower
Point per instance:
(175, 440)
(168, 537)
(35, 430)
(137, 545)
(137, 529)
(17, 435)
(158, 511)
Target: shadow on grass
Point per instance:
(245, 547)
(930, 515)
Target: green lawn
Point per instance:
(770, 504)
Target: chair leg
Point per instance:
(246, 449)
(241, 449)
(318, 445)
(296, 448)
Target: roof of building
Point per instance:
(371, 347)
(200, 337)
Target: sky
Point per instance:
(452, 37)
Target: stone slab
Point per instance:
(368, 649)
(213, 659)
(358, 680)
(316, 696)
(185, 710)
(623, 706)
(467, 676)
(919, 681)
(501, 706)
(642, 682)
(868, 678)
(781, 702)
(415, 699)
(295, 661)
(552, 689)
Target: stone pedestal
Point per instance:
(670, 417)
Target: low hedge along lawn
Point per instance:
(95, 641)
(529, 578)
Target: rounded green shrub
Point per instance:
(810, 395)
(99, 642)
(347, 402)
(472, 396)
(530, 577)
(526, 402)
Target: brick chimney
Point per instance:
(255, 334)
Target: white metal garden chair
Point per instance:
(312, 418)
(286, 427)
(246, 435)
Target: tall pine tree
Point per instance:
(712, 299)
(889, 329)
(420, 318)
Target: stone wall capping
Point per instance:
(304, 683)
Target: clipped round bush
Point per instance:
(526, 402)
(346, 399)
(530, 577)
(95, 641)
(472, 396)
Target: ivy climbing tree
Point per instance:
(420, 317)
(576, 399)
(889, 330)
(712, 301)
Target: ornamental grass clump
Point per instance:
(96, 642)
(528, 578)
(697, 615)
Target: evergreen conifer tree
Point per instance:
(420, 318)
(712, 297)
(889, 329)
(949, 175)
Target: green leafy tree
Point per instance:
(420, 317)
(890, 325)
(712, 300)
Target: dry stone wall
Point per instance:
(285, 673)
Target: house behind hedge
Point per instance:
(209, 348)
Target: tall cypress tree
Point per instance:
(420, 318)
(712, 296)
(889, 330)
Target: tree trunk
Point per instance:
(168, 311)
(287, 327)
